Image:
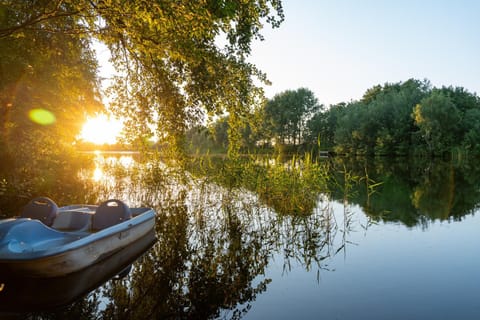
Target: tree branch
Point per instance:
(36, 19)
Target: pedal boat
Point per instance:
(47, 241)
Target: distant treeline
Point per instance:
(405, 118)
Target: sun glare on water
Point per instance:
(101, 130)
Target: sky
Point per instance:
(340, 48)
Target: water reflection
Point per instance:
(221, 226)
(215, 241)
(104, 164)
(192, 278)
(21, 296)
(414, 192)
(214, 245)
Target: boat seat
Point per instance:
(109, 213)
(41, 208)
(73, 220)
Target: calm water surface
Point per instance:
(388, 271)
(406, 249)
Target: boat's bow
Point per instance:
(25, 239)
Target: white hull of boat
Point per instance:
(58, 257)
(82, 257)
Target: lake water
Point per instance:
(388, 271)
(400, 242)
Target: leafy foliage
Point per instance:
(43, 69)
(403, 118)
(438, 119)
(287, 114)
(177, 61)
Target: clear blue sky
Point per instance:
(340, 48)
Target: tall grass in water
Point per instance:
(290, 187)
(293, 187)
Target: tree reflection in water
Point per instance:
(215, 241)
(413, 191)
(211, 263)
(220, 225)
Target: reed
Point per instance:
(291, 187)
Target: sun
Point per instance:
(101, 130)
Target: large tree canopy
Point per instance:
(177, 61)
(287, 114)
(405, 118)
(48, 83)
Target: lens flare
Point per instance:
(42, 116)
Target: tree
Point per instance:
(381, 122)
(172, 69)
(468, 105)
(372, 93)
(391, 110)
(287, 115)
(220, 132)
(322, 126)
(471, 124)
(48, 84)
(248, 135)
(438, 120)
(349, 133)
(399, 119)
